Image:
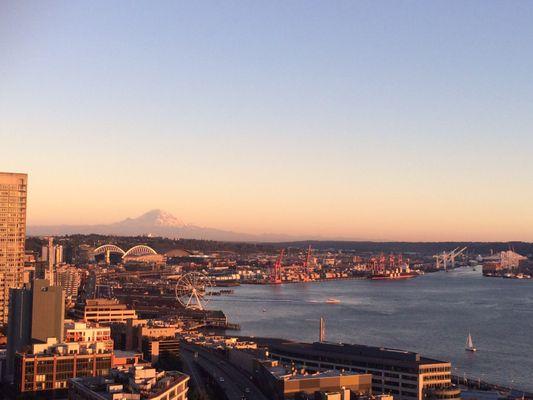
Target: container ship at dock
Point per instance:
(393, 275)
(393, 268)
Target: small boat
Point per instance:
(264, 310)
(470, 344)
(333, 301)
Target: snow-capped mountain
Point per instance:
(156, 223)
(153, 218)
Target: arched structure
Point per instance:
(139, 250)
(178, 253)
(111, 248)
(140, 254)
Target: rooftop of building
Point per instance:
(282, 372)
(144, 381)
(199, 338)
(81, 325)
(127, 353)
(54, 348)
(102, 301)
(349, 351)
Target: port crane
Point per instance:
(275, 272)
(384, 264)
(444, 258)
(307, 264)
(456, 253)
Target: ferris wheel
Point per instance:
(191, 290)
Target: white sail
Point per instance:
(469, 343)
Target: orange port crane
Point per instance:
(307, 268)
(275, 273)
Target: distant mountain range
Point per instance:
(156, 223)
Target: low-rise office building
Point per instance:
(49, 366)
(155, 341)
(403, 374)
(104, 311)
(156, 349)
(135, 330)
(280, 383)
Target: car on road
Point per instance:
(221, 379)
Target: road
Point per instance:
(230, 389)
(192, 370)
(235, 382)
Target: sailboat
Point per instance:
(470, 343)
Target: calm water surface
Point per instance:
(431, 314)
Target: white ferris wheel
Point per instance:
(191, 290)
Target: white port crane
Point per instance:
(443, 258)
(456, 253)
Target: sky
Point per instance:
(382, 120)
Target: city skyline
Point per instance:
(266, 200)
(365, 120)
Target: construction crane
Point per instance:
(275, 273)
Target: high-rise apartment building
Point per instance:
(68, 277)
(52, 256)
(13, 190)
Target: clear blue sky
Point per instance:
(363, 119)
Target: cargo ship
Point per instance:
(393, 275)
(395, 268)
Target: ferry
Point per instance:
(333, 301)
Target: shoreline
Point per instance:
(485, 365)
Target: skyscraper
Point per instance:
(36, 314)
(13, 190)
(53, 256)
(19, 327)
(48, 311)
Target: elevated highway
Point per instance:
(235, 383)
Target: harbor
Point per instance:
(432, 314)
